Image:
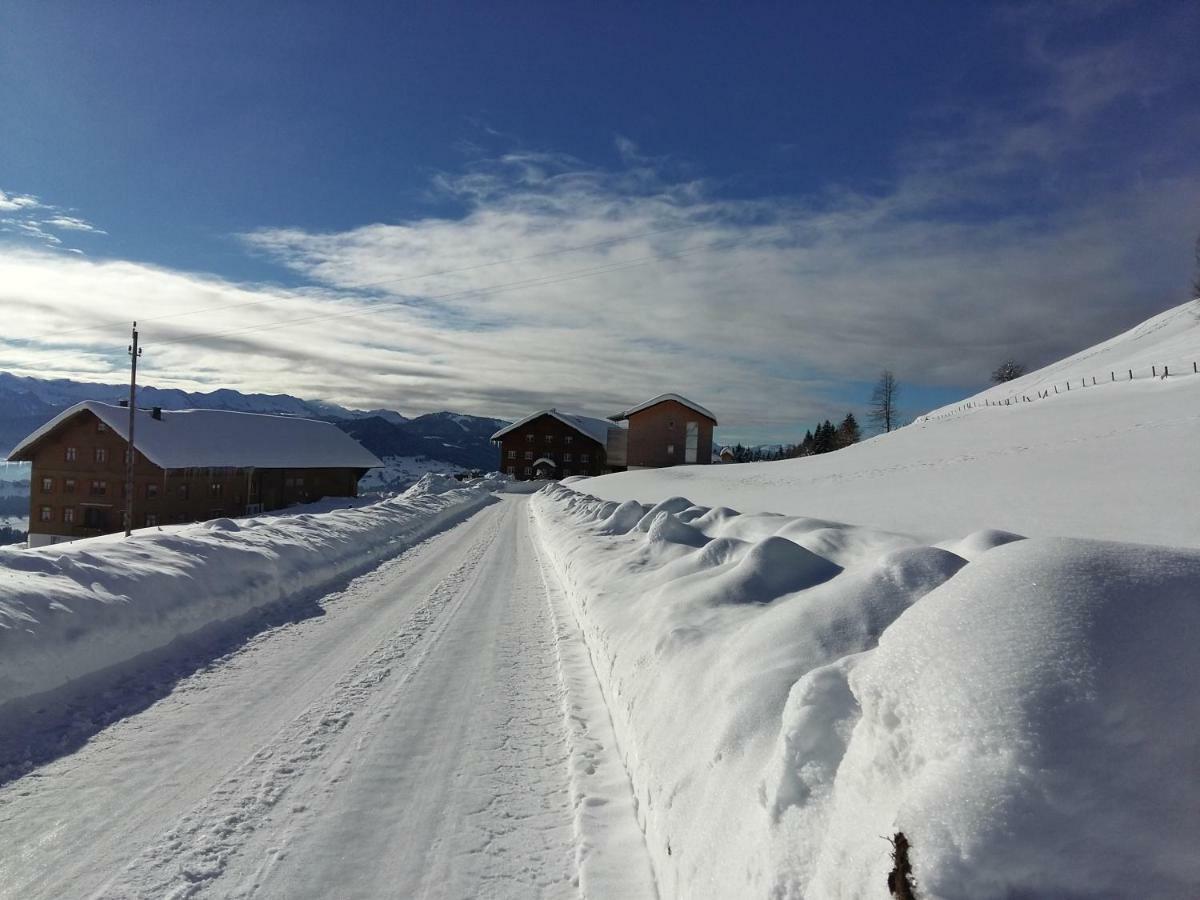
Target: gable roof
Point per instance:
(217, 438)
(596, 429)
(662, 398)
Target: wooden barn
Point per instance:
(189, 465)
(550, 444)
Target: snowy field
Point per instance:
(398, 473)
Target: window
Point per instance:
(529, 454)
(151, 519)
(670, 449)
(566, 457)
(529, 438)
(71, 454)
(99, 488)
(584, 457)
(692, 442)
(512, 470)
(512, 454)
(47, 485)
(68, 514)
(549, 439)
(151, 491)
(184, 491)
(100, 454)
(568, 439)
(214, 489)
(566, 472)
(101, 427)
(69, 485)
(47, 513)
(528, 470)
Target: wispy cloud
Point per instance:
(31, 219)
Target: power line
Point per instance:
(513, 259)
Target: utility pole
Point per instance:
(134, 353)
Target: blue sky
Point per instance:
(756, 204)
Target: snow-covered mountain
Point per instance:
(432, 442)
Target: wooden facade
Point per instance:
(77, 486)
(547, 447)
(668, 432)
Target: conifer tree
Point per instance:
(848, 432)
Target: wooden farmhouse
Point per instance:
(666, 430)
(189, 465)
(553, 444)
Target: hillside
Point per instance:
(1104, 462)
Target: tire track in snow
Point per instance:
(611, 854)
(197, 850)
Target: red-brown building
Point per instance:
(189, 465)
(668, 430)
(552, 444)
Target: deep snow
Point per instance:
(995, 658)
(786, 691)
(71, 610)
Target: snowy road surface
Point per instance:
(429, 734)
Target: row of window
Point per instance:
(512, 470)
(99, 454)
(99, 487)
(583, 457)
(549, 438)
(93, 518)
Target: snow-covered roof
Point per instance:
(204, 438)
(596, 429)
(661, 398)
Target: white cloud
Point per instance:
(11, 202)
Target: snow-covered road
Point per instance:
(431, 733)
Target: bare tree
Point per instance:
(1007, 371)
(1196, 279)
(882, 411)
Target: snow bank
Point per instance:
(787, 691)
(74, 609)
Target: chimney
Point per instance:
(156, 412)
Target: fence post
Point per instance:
(1195, 371)
(1131, 374)
(1154, 371)
(1056, 389)
(1114, 375)
(1093, 379)
(1165, 371)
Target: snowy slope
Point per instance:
(1168, 342)
(1104, 462)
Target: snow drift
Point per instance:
(71, 610)
(788, 691)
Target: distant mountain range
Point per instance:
(456, 439)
